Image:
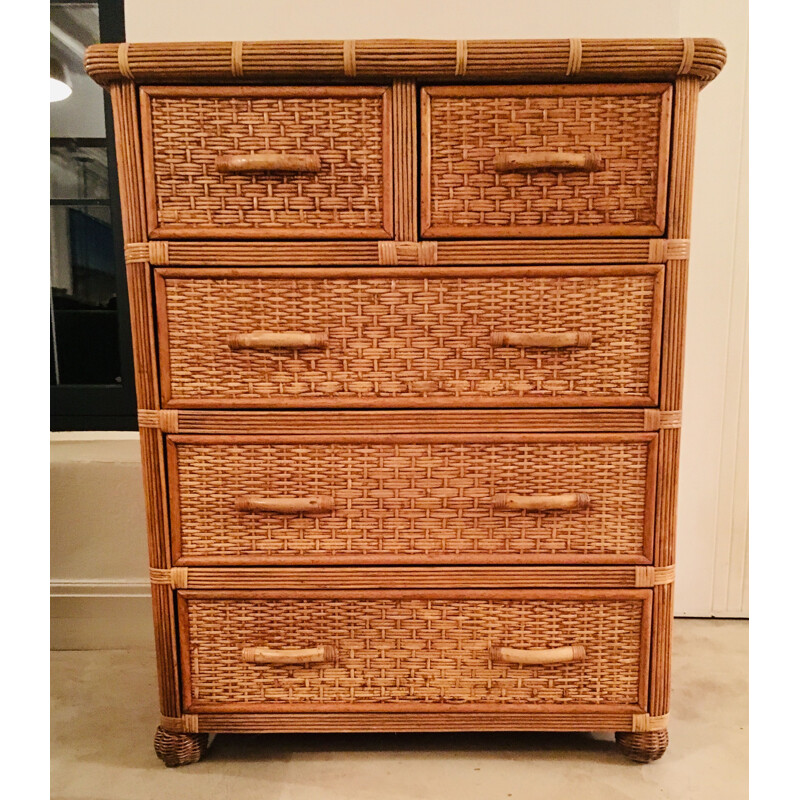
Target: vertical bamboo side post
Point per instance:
(131, 191)
(404, 155)
(678, 226)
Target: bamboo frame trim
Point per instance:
(520, 420)
(644, 722)
(533, 720)
(532, 60)
(455, 253)
(408, 577)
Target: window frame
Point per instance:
(108, 406)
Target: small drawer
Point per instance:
(406, 337)
(267, 162)
(538, 161)
(412, 498)
(406, 650)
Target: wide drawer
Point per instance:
(412, 498)
(267, 162)
(405, 337)
(541, 161)
(414, 650)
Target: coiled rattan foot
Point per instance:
(645, 746)
(177, 749)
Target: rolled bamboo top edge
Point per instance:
(543, 60)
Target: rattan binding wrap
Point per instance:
(466, 128)
(397, 340)
(408, 499)
(544, 60)
(414, 651)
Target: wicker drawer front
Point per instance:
(403, 338)
(412, 649)
(339, 184)
(412, 498)
(545, 160)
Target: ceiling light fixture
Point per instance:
(60, 84)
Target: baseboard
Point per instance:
(100, 615)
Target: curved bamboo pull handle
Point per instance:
(541, 502)
(554, 655)
(532, 339)
(269, 162)
(525, 162)
(286, 505)
(266, 340)
(290, 655)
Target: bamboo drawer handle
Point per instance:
(269, 162)
(266, 340)
(531, 339)
(526, 162)
(286, 505)
(541, 502)
(554, 655)
(291, 655)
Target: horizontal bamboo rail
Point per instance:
(542, 60)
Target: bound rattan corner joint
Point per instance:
(408, 325)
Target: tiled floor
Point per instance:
(104, 716)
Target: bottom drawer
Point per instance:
(412, 650)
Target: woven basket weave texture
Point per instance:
(467, 133)
(429, 500)
(421, 650)
(346, 133)
(401, 339)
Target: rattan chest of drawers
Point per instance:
(408, 324)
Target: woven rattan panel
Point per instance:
(468, 127)
(404, 341)
(398, 650)
(414, 501)
(347, 128)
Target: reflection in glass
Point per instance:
(83, 300)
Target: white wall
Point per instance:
(99, 551)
